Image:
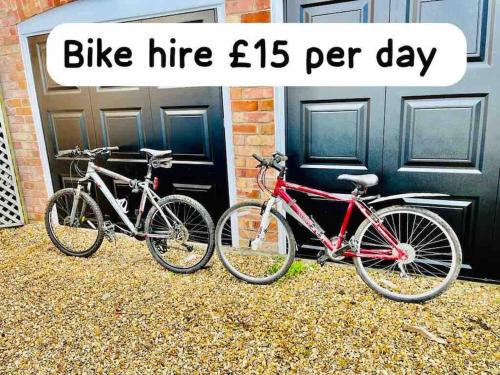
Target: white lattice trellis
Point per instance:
(10, 205)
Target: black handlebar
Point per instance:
(89, 153)
(273, 162)
(259, 159)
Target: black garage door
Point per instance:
(189, 121)
(416, 139)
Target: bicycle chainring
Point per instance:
(337, 257)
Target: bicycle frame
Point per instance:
(147, 194)
(353, 201)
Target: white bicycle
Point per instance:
(178, 230)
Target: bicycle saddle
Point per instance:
(365, 180)
(156, 153)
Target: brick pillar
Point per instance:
(252, 107)
(253, 132)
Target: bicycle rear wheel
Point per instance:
(80, 237)
(433, 249)
(261, 264)
(187, 244)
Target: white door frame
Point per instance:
(277, 16)
(115, 11)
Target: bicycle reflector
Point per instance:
(156, 183)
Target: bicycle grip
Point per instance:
(63, 153)
(279, 157)
(258, 158)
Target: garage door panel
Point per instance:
(190, 123)
(353, 11)
(123, 118)
(68, 129)
(208, 15)
(49, 85)
(189, 120)
(197, 191)
(350, 11)
(124, 128)
(443, 132)
(472, 19)
(335, 133)
(186, 132)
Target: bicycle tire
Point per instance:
(253, 280)
(53, 236)
(204, 214)
(449, 234)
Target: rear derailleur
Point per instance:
(178, 233)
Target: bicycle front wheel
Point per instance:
(433, 253)
(180, 235)
(256, 262)
(80, 236)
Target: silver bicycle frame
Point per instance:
(147, 193)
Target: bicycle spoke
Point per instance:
(250, 256)
(79, 236)
(429, 250)
(186, 240)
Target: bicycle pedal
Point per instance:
(322, 258)
(109, 231)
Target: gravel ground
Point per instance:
(120, 312)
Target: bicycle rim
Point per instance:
(432, 255)
(260, 264)
(79, 236)
(186, 243)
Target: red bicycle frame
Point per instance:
(394, 253)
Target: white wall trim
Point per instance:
(277, 16)
(111, 11)
(115, 11)
(228, 129)
(277, 11)
(35, 109)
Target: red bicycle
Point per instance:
(405, 253)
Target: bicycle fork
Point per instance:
(264, 223)
(76, 200)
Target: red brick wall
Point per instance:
(253, 132)
(253, 117)
(253, 108)
(19, 117)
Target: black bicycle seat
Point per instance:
(364, 180)
(156, 153)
